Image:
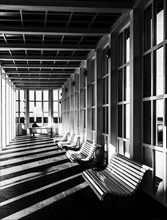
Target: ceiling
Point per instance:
(43, 42)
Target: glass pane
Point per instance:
(159, 122)
(127, 121)
(84, 98)
(120, 79)
(60, 94)
(120, 49)
(105, 120)
(45, 119)
(159, 71)
(93, 94)
(55, 119)
(45, 95)
(39, 119)
(45, 106)
(39, 95)
(127, 149)
(45, 114)
(55, 95)
(160, 22)
(21, 106)
(93, 119)
(121, 147)
(119, 120)
(59, 107)
(31, 114)
(147, 122)
(22, 95)
(22, 114)
(17, 94)
(31, 106)
(31, 119)
(127, 84)
(55, 114)
(105, 61)
(84, 118)
(38, 107)
(127, 45)
(31, 95)
(148, 28)
(84, 78)
(17, 109)
(93, 70)
(105, 90)
(147, 76)
(55, 106)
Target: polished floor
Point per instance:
(39, 182)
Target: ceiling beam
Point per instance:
(37, 82)
(37, 87)
(50, 47)
(53, 31)
(67, 6)
(50, 73)
(38, 77)
(41, 58)
(8, 66)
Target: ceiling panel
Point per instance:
(43, 42)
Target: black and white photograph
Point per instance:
(83, 109)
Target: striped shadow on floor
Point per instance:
(35, 174)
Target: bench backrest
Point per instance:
(74, 139)
(126, 170)
(65, 137)
(88, 149)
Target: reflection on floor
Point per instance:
(39, 182)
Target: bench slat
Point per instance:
(125, 174)
(119, 183)
(110, 184)
(137, 166)
(128, 167)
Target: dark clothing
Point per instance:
(35, 125)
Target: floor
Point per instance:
(39, 182)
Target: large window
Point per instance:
(77, 103)
(155, 93)
(84, 97)
(39, 107)
(105, 105)
(93, 72)
(124, 93)
(57, 102)
(7, 110)
(20, 106)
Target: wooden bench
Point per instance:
(121, 177)
(72, 143)
(62, 138)
(85, 153)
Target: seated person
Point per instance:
(35, 124)
(33, 128)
